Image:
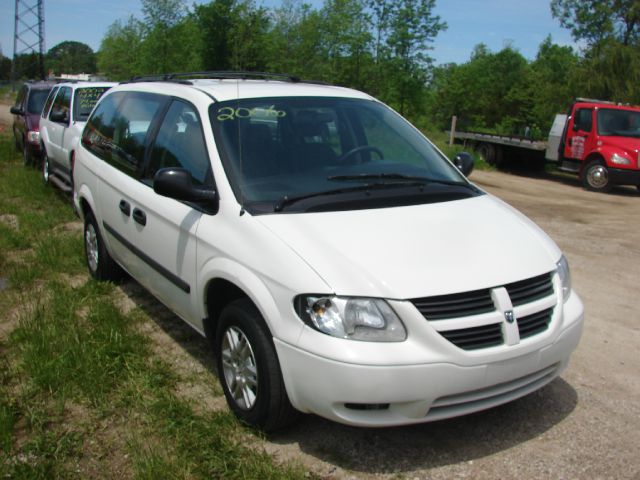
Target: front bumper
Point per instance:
(378, 395)
(620, 176)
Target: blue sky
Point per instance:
(523, 24)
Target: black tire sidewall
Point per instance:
(243, 315)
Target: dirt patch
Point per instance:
(10, 221)
(6, 119)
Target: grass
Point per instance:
(83, 392)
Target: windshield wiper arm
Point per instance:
(401, 177)
(288, 200)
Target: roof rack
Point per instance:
(218, 75)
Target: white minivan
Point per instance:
(63, 117)
(339, 263)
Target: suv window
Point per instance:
(49, 102)
(117, 130)
(84, 100)
(180, 143)
(62, 101)
(36, 100)
(20, 98)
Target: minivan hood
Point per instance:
(420, 250)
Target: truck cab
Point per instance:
(601, 142)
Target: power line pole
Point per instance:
(28, 33)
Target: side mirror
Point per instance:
(176, 183)
(59, 116)
(17, 111)
(464, 162)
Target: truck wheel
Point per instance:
(595, 177)
(487, 152)
(249, 370)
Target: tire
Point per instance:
(27, 158)
(487, 152)
(249, 370)
(595, 176)
(45, 166)
(100, 264)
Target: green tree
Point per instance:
(119, 54)
(596, 20)
(71, 57)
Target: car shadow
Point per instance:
(397, 449)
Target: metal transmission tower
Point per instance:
(29, 32)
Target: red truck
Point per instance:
(598, 140)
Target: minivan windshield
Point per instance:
(276, 150)
(618, 123)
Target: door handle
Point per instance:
(139, 216)
(125, 207)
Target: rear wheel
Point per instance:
(487, 152)
(595, 176)
(27, 158)
(101, 265)
(249, 370)
(45, 166)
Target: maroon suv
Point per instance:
(26, 120)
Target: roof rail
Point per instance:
(221, 75)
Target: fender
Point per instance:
(289, 326)
(607, 151)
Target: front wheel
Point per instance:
(249, 370)
(101, 265)
(595, 177)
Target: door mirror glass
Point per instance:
(464, 162)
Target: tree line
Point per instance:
(382, 47)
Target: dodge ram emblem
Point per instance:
(509, 316)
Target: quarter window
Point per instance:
(180, 143)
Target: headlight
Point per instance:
(620, 160)
(565, 276)
(366, 319)
(33, 136)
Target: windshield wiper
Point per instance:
(288, 200)
(400, 176)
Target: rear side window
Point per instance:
(117, 130)
(36, 100)
(47, 105)
(180, 143)
(84, 100)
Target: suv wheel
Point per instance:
(26, 155)
(45, 166)
(101, 265)
(249, 370)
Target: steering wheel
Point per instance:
(363, 148)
